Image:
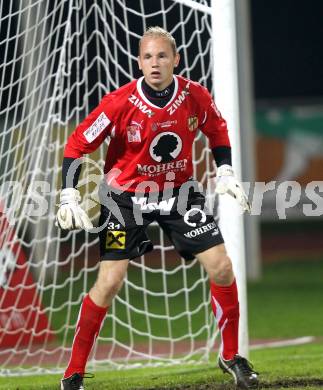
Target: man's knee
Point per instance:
(218, 265)
(110, 280)
(222, 273)
(109, 286)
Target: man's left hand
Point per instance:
(226, 183)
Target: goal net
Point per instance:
(57, 60)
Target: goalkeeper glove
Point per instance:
(226, 183)
(70, 215)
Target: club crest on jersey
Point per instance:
(165, 147)
(133, 99)
(116, 239)
(133, 131)
(192, 122)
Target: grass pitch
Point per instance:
(287, 303)
(297, 367)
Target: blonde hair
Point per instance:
(157, 31)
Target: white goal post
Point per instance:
(57, 60)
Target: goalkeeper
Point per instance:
(152, 123)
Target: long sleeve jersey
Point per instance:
(147, 142)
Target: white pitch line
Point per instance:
(284, 343)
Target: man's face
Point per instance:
(157, 62)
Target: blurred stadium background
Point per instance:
(285, 78)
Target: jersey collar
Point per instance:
(143, 97)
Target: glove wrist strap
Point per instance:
(69, 195)
(225, 170)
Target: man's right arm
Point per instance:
(86, 138)
(93, 130)
(70, 176)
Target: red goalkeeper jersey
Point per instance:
(147, 142)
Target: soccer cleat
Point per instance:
(73, 382)
(241, 370)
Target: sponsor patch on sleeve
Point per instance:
(101, 122)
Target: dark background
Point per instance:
(287, 44)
